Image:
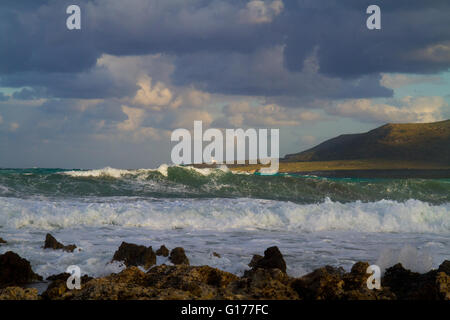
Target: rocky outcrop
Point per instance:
(17, 293)
(52, 243)
(135, 255)
(408, 285)
(273, 259)
(178, 256)
(163, 251)
(15, 271)
(2, 241)
(445, 267)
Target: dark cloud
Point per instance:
(217, 49)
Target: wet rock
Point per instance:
(135, 255)
(322, 284)
(15, 271)
(17, 293)
(52, 243)
(272, 259)
(178, 256)
(2, 241)
(445, 267)
(215, 254)
(255, 260)
(162, 251)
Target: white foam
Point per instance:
(227, 214)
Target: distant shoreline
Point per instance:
(366, 168)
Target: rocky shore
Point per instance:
(267, 279)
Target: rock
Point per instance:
(322, 284)
(357, 278)
(178, 256)
(259, 283)
(215, 254)
(58, 287)
(272, 259)
(52, 243)
(2, 241)
(255, 260)
(17, 293)
(178, 282)
(162, 251)
(135, 255)
(445, 267)
(15, 271)
(443, 285)
(408, 285)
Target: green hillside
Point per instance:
(425, 142)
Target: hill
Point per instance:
(424, 142)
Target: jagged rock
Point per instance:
(255, 260)
(15, 270)
(408, 285)
(52, 243)
(215, 254)
(135, 255)
(322, 284)
(445, 267)
(161, 282)
(259, 283)
(2, 241)
(162, 251)
(178, 256)
(272, 259)
(17, 293)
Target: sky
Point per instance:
(111, 93)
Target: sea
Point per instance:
(315, 221)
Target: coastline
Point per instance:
(266, 280)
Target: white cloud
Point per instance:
(258, 11)
(407, 109)
(153, 97)
(135, 118)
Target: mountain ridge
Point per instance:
(428, 142)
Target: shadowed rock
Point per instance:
(255, 259)
(272, 259)
(162, 251)
(52, 243)
(322, 284)
(215, 254)
(15, 271)
(408, 285)
(135, 255)
(2, 241)
(178, 256)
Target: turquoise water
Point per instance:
(181, 182)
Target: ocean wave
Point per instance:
(411, 216)
(188, 182)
